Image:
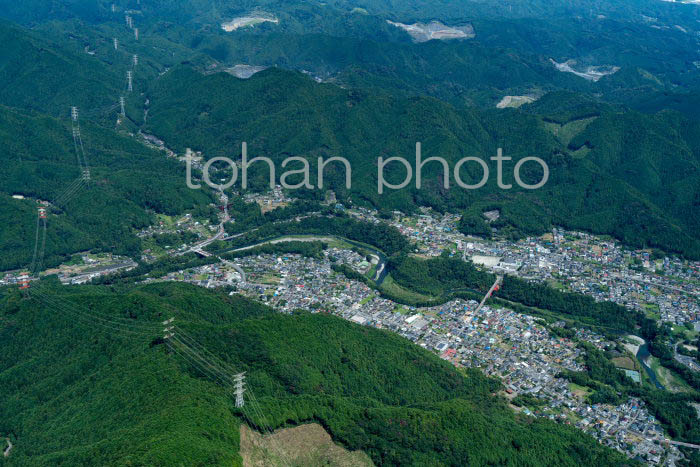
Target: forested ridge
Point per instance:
(129, 183)
(75, 393)
(627, 174)
(624, 155)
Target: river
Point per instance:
(642, 355)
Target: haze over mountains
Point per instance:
(391, 69)
(605, 92)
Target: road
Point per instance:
(685, 360)
(687, 445)
(9, 447)
(199, 248)
(238, 269)
(287, 239)
(663, 286)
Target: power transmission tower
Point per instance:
(24, 282)
(78, 142)
(168, 329)
(136, 33)
(116, 44)
(129, 21)
(129, 80)
(121, 103)
(239, 381)
(76, 134)
(136, 59)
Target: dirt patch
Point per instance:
(303, 445)
(515, 101)
(624, 362)
(8, 449)
(421, 32)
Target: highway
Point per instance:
(236, 267)
(199, 248)
(285, 239)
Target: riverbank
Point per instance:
(643, 356)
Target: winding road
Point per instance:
(380, 274)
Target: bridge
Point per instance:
(687, 445)
(199, 248)
(494, 287)
(201, 252)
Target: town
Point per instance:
(513, 347)
(518, 349)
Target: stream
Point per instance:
(642, 355)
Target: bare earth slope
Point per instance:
(303, 445)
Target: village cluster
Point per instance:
(507, 345)
(515, 348)
(665, 288)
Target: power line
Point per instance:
(217, 365)
(42, 250)
(36, 244)
(109, 321)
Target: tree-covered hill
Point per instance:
(41, 75)
(588, 147)
(129, 183)
(653, 43)
(75, 392)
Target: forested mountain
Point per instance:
(41, 75)
(73, 392)
(604, 178)
(604, 91)
(612, 172)
(129, 183)
(654, 44)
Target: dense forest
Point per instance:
(356, 47)
(129, 182)
(120, 396)
(614, 171)
(630, 175)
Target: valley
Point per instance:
(145, 322)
